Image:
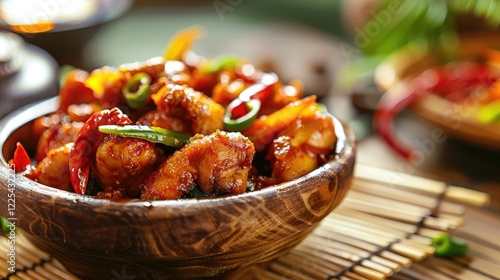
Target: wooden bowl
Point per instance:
(458, 121)
(182, 239)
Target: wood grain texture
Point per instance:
(181, 239)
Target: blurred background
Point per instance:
(334, 47)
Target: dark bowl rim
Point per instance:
(345, 148)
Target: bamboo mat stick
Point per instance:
(420, 239)
(404, 261)
(395, 193)
(419, 271)
(322, 255)
(23, 241)
(57, 271)
(402, 195)
(362, 216)
(411, 252)
(400, 179)
(454, 221)
(429, 233)
(395, 214)
(421, 185)
(368, 227)
(270, 275)
(450, 268)
(21, 276)
(349, 252)
(20, 264)
(35, 275)
(286, 271)
(467, 196)
(302, 262)
(27, 261)
(391, 203)
(317, 244)
(426, 247)
(4, 271)
(386, 262)
(337, 261)
(376, 228)
(360, 270)
(347, 239)
(380, 210)
(480, 264)
(350, 276)
(47, 273)
(451, 208)
(341, 266)
(438, 224)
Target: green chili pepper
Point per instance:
(150, 133)
(6, 225)
(446, 246)
(253, 105)
(221, 62)
(136, 90)
(490, 112)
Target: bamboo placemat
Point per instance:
(381, 230)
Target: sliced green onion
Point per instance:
(253, 105)
(150, 133)
(446, 246)
(490, 112)
(221, 62)
(6, 225)
(136, 90)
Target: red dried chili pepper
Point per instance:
(86, 144)
(441, 81)
(261, 90)
(21, 160)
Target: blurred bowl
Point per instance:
(457, 120)
(182, 239)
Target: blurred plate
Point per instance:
(455, 119)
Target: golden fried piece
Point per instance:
(123, 163)
(154, 67)
(53, 170)
(217, 163)
(301, 147)
(176, 121)
(206, 115)
(56, 136)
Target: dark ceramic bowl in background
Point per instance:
(182, 239)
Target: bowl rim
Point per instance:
(344, 149)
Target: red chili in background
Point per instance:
(440, 81)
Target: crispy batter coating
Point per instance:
(121, 164)
(206, 114)
(53, 170)
(301, 147)
(217, 163)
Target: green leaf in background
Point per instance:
(430, 24)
